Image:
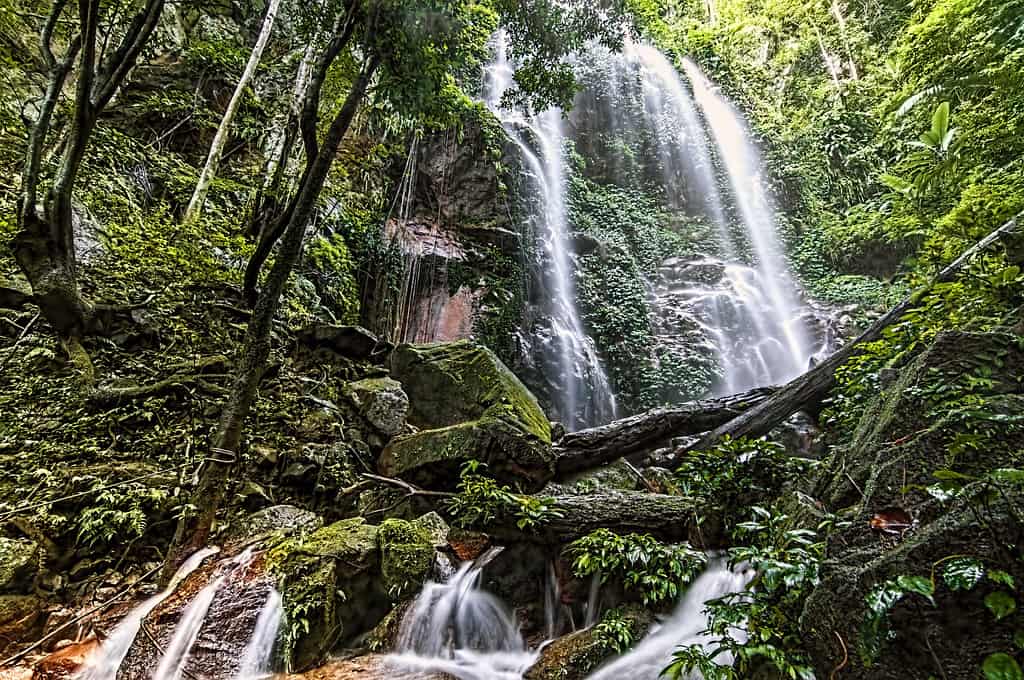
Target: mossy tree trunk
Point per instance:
(195, 204)
(44, 246)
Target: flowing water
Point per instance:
(256, 659)
(581, 392)
(458, 628)
(106, 660)
(685, 627)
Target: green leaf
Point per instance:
(1001, 577)
(940, 120)
(1001, 666)
(1010, 475)
(1001, 604)
(897, 184)
(963, 573)
(1018, 639)
(917, 584)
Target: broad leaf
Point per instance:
(963, 573)
(1001, 667)
(1001, 604)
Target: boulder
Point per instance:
(351, 342)
(953, 407)
(20, 620)
(382, 402)
(283, 519)
(19, 565)
(577, 655)
(470, 406)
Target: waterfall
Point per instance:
(172, 663)
(768, 288)
(460, 629)
(686, 627)
(258, 653)
(106, 660)
(582, 393)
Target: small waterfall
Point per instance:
(774, 311)
(459, 629)
(258, 653)
(582, 392)
(648, 659)
(105, 662)
(172, 663)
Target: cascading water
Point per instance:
(649, 658)
(458, 628)
(105, 662)
(767, 291)
(258, 653)
(582, 393)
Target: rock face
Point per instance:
(471, 407)
(947, 396)
(19, 565)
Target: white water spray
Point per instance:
(259, 651)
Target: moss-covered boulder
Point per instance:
(330, 584)
(954, 410)
(339, 582)
(577, 655)
(470, 406)
(19, 565)
(382, 402)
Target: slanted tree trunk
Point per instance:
(44, 245)
(195, 204)
(812, 387)
(586, 449)
(194, 527)
(837, 12)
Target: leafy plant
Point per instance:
(481, 501)
(656, 570)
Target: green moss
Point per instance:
(407, 556)
(19, 562)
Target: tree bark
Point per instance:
(813, 386)
(195, 204)
(670, 518)
(194, 526)
(586, 449)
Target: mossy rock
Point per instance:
(471, 406)
(406, 556)
(331, 586)
(19, 565)
(577, 655)
(382, 402)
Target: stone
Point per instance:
(406, 556)
(19, 565)
(283, 519)
(382, 402)
(471, 406)
(800, 436)
(21, 618)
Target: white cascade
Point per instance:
(460, 629)
(256, 659)
(583, 395)
(685, 627)
(106, 660)
(766, 292)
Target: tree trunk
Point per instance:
(586, 449)
(194, 527)
(814, 386)
(837, 12)
(670, 518)
(195, 204)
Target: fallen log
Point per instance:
(666, 517)
(813, 386)
(586, 449)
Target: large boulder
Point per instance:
(470, 406)
(954, 408)
(382, 402)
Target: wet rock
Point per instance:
(371, 667)
(406, 556)
(473, 408)
(64, 663)
(19, 565)
(800, 436)
(575, 656)
(382, 402)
